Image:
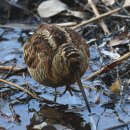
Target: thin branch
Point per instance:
(12, 70)
(101, 22)
(108, 67)
(8, 68)
(26, 27)
(9, 72)
(23, 70)
(126, 12)
(20, 88)
(118, 126)
(22, 8)
(121, 16)
(83, 23)
(33, 95)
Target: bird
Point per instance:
(57, 56)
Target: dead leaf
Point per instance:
(112, 55)
(50, 8)
(127, 3)
(108, 2)
(117, 41)
(115, 87)
(120, 39)
(110, 66)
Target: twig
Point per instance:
(33, 95)
(106, 92)
(9, 72)
(8, 68)
(20, 88)
(120, 16)
(102, 23)
(23, 27)
(118, 126)
(126, 12)
(118, 117)
(83, 23)
(17, 72)
(108, 67)
(14, 115)
(100, 117)
(26, 27)
(67, 24)
(22, 8)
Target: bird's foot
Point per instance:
(70, 89)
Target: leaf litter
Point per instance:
(39, 115)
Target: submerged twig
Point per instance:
(118, 126)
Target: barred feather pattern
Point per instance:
(54, 54)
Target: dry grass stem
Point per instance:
(85, 22)
(101, 22)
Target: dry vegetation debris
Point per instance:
(105, 26)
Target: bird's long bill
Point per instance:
(78, 80)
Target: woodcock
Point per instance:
(57, 56)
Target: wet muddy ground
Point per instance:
(18, 111)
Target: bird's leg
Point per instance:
(55, 98)
(78, 80)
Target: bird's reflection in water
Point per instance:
(57, 118)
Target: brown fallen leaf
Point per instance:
(121, 39)
(108, 67)
(115, 87)
(116, 42)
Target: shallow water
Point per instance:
(17, 112)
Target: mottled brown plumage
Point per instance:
(56, 56)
